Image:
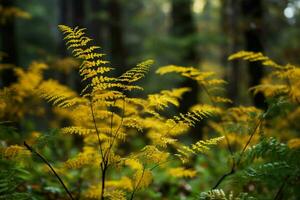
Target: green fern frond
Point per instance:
(219, 194)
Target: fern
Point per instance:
(286, 77)
(219, 194)
(201, 146)
(10, 179)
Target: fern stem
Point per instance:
(223, 128)
(157, 165)
(103, 164)
(234, 165)
(97, 131)
(103, 182)
(52, 169)
(249, 140)
(136, 187)
(117, 131)
(232, 171)
(279, 192)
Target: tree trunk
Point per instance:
(79, 13)
(8, 46)
(182, 27)
(65, 18)
(96, 24)
(253, 34)
(231, 28)
(116, 32)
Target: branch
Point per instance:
(279, 192)
(52, 169)
(234, 165)
(232, 171)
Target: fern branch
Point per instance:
(234, 165)
(52, 169)
(279, 192)
(118, 129)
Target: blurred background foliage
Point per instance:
(191, 32)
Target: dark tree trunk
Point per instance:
(8, 46)
(253, 35)
(116, 32)
(79, 13)
(183, 26)
(96, 24)
(231, 28)
(65, 18)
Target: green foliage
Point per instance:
(219, 194)
(12, 182)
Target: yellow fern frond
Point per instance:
(151, 154)
(166, 97)
(142, 178)
(115, 195)
(93, 64)
(8, 13)
(242, 113)
(255, 57)
(58, 94)
(270, 90)
(189, 72)
(294, 143)
(196, 114)
(89, 156)
(124, 183)
(218, 99)
(202, 146)
(28, 80)
(77, 130)
(13, 151)
(93, 192)
(137, 72)
(133, 163)
(180, 172)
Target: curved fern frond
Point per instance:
(180, 172)
(255, 57)
(202, 146)
(137, 72)
(58, 94)
(196, 114)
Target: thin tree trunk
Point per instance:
(79, 13)
(116, 32)
(182, 27)
(233, 32)
(253, 34)
(96, 24)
